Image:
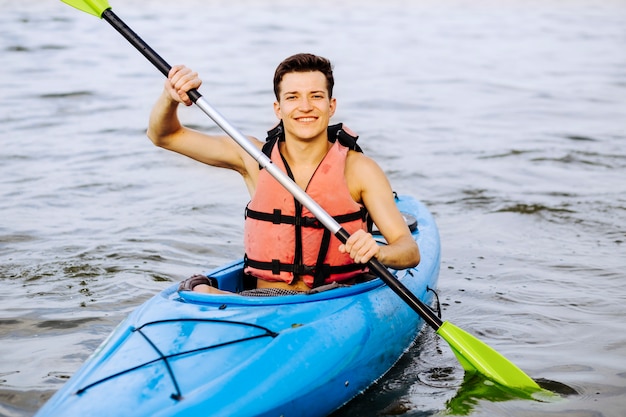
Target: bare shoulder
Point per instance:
(364, 175)
(357, 162)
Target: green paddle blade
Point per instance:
(476, 356)
(94, 7)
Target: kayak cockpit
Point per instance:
(231, 278)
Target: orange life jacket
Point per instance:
(283, 240)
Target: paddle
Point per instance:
(473, 354)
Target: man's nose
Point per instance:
(305, 104)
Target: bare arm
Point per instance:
(370, 186)
(165, 129)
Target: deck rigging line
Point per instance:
(178, 394)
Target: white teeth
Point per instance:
(306, 119)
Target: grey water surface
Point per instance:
(507, 118)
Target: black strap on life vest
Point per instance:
(276, 217)
(324, 270)
(320, 271)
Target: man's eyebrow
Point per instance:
(310, 92)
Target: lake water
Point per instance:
(507, 118)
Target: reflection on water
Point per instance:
(475, 389)
(507, 119)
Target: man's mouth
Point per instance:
(306, 119)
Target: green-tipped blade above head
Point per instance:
(94, 7)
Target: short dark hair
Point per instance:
(304, 63)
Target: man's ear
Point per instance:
(277, 110)
(333, 106)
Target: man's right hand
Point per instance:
(180, 80)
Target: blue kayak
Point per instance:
(191, 354)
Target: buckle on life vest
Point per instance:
(276, 215)
(311, 222)
(275, 267)
(303, 270)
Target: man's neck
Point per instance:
(305, 152)
(303, 158)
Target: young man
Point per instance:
(342, 181)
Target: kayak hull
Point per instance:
(190, 354)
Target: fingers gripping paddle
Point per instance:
(474, 355)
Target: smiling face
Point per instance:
(304, 105)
